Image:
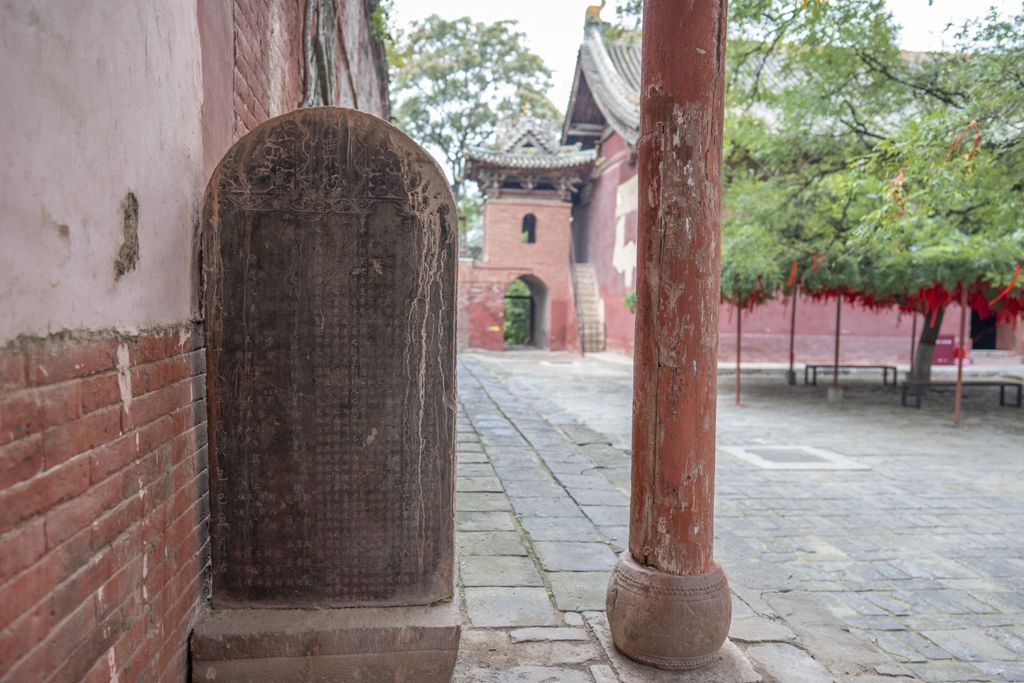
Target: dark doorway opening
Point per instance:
(983, 331)
(525, 322)
(520, 314)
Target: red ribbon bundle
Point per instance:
(1013, 283)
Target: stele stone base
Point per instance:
(668, 621)
(362, 644)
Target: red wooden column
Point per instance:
(961, 352)
(668, 600)
(739, 348)
(791, 375)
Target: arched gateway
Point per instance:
(526, 313)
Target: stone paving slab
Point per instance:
(562, 556)
(561, 529)
(480, 484)
(489, 543)
(918, 556)
(606, 514)
(526, 635)
(783, 661)
(755, 629)
(579, 591)
(536, 545)
(484, 521)
(510, 606)
(551, 506)
(481, 502)
(498, 570)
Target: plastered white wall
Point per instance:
(99, 99)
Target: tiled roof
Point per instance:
(612, 70)
(529, 143)
(610, 65)
(577, 157)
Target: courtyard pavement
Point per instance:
(863, 541)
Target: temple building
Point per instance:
(586, 187)
(529, 180)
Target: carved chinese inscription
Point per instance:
(329, 265)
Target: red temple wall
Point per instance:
(596, 220)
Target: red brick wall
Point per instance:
(505, 258)
(269, 65)
(103, 506)
(268, 60)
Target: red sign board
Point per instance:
(946, 351)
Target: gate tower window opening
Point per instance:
(529, 229)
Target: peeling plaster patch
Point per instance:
(624, 256)
(62, 231)
(128, 254)
(124, 377)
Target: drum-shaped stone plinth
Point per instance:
(668, 621)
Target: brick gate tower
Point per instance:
(528, 179)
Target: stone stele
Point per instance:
(329, 264)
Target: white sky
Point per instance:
(554, 28)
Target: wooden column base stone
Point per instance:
(668, 621)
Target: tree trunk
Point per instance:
(926, 346)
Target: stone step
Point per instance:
(585, 286)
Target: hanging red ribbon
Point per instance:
(897, 190)
(1013, 283)
(792, 275)
(960, 138)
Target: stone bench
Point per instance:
(918, 388)
(812, 371)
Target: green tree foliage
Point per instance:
(471, 223)
(797, 101)
(454, 80)
(890, 178)
(946, 186)
(894, 176)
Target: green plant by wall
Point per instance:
(517, 314)
(629, 301)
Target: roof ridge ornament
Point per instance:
(594, 13)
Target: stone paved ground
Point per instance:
(911, 569)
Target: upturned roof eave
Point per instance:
(616, 101)
(519, 162)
